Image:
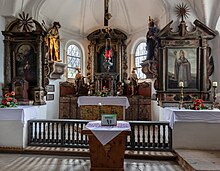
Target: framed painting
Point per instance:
(50, 97)
(182, 66)
(50, 88)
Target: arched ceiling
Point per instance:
(81, 17)
(84, 16)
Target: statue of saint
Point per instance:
(133, 81)
(52, 41)
(151, 40)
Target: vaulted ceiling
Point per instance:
(81, 17)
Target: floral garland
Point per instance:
(9, 100)
(198, 104)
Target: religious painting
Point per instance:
(25, 63)
(182, 67)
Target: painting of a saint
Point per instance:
(25, 64)
(182, 67)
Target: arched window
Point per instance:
(73, 60)
(140, 55)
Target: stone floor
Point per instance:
(27, 162)
(187, 160)
(199, 160)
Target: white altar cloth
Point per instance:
(109, 100)
(187, 115)
(14, 127)
(19, 113)
(106, 133)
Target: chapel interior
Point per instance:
(145, 61)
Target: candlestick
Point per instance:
(181, 84)
(181, 98)
(214, 95)
(214, 84)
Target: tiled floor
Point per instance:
(25, 162)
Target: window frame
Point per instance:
(141, 57)
(69, 56)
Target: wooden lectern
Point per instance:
(109, 157)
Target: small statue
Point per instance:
(133, 82)
(79, 80)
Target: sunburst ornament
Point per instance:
(25, 22)
(182, 10)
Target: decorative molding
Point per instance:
(57, 69)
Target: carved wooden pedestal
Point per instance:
(109, 157)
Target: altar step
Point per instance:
(84, 152)
(198, 160)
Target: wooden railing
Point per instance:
(145, 135)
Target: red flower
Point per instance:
(9, 99)
(4, 102)
(13, 93)
(7, 95)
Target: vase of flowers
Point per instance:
(198, 104)
(9, 100)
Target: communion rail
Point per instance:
(144, 136)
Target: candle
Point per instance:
(181, 84)
(214, 84)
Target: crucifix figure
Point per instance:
(107, 15)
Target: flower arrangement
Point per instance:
(9, 100)
(104, 92)
(198, 104)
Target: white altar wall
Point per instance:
(189, 135)
(194, 129)
(14, 127)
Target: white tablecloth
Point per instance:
(19, 113)
(186, 115)
(106, 133)
(109, 100)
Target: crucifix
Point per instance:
(107, 15)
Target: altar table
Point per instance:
(107, 145)
(13, 125)
(194, 129)
(91, 107)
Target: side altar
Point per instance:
(194, 129)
